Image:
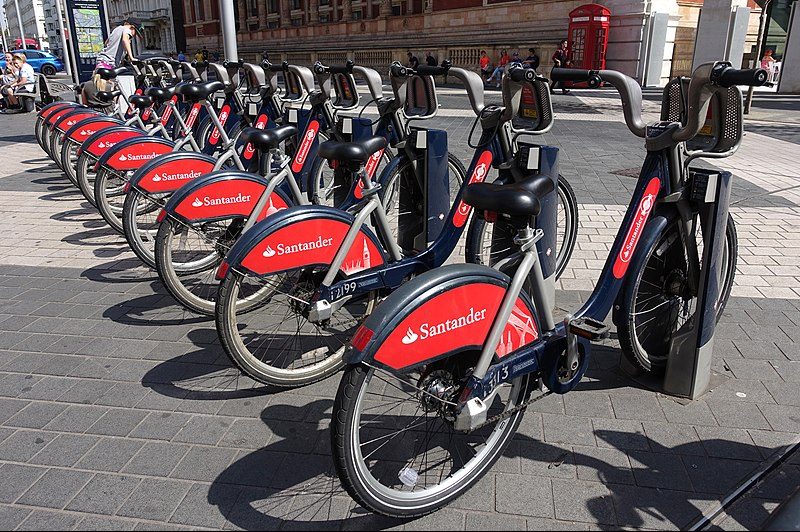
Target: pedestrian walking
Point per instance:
(117, 49)
(561, 60)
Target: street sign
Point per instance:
(88, 29)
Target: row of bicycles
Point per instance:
(316, 227)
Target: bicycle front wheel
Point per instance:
(394, 445)
(656, 302)
(488, 243)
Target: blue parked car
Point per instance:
(42, 62)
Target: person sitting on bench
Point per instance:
(25, 82)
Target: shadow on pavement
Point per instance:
(292, 480)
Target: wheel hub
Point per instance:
(675, 284)
(437, 388)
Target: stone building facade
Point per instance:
(376, 32)
(33, 22)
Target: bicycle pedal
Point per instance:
(589, 328)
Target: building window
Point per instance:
(252, 8)
(324, 2)
(324, 18)
(295, 4)
(397, 9)
(273, 24)
(297, 21)
(357, 14)
(272, 6)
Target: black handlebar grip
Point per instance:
(728, 77)
(228, 63)
(396, 70)
(347, 68)
(425, 70)
(575, 75)
(266, 65)
(519, 74)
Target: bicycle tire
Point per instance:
(104, 190)
(229, 314)
(86, 175)
(651, 356)
(477, 253)
(133, 228)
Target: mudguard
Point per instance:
(59, 113)
(442, 312)
(170, 172)
(306, 235)
(223, 194)
(97, 144)
(71, 117)
(51, 108)
(132, 153)
(88, 127)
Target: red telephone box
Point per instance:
(588, 36)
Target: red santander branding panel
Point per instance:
(224, 113)
(458, 318)
(478, 176)
(168, 111)
(90, 129)
(58, 115)
(314, 241)
(261, 123)
(230, 197)
(44, 113)
(101, 145)
(134, 156)
(369, 168)
(172, 175)
(305, 146)
(520, 330)
(637, 226)
(71, 120)
(192, 118)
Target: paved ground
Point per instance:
(118, 409)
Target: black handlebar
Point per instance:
(197, 63)
(726, 76)
(441, 70)
(347, 68)
(228, 63)
(590, 77)
(519, 74)
(266, 65)
(396, 70)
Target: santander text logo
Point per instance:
(305, 146)
(228, 200)
(637, 227)
(288, 249)
(428, 330)
(137, 156)
(261, 123)
(178, 176)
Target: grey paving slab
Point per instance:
(155, 499)
(65, 450)
(104, 494)
(16, 478)
(55, 488)
(110, 454)
(49, 520)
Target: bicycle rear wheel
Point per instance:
(69, 159)
(187, 257)
(394, 446)
(86, 175)
(109, 196)
(277, 344)
(140, 223)
(656, 302)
